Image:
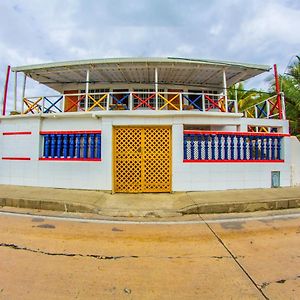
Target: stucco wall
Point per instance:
(98, 175)
(295, 161)
(68, 174)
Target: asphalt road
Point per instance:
(45, 258)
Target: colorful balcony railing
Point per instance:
(82, 102)
(271, 108)
(207, 146)
(71, 145)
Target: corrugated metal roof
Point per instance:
(138, 60)
(171, 71)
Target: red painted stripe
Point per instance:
(70, 159)
(235, 133)
(232, 161)
(16, 158)
(16, 132)
(70, 132)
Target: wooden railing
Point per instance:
(82, 102)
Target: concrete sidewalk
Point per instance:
(148, 205)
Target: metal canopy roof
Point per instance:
(175, 71)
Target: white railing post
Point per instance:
(15, 91)
(203, 102)
(180, 101)
(107, 101)
(225, 90)
(87, 90)
(43, 104)
(23, 91)
(236, 108)
(130, 102)
(156, 89)
(63, 103)
(268, 109)
(282, 105)
(255, 112)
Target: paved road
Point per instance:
(43, 258)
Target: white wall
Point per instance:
(221, 176)
(98, 175)
(68, 174)
(295, 160)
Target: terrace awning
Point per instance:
(174, 71)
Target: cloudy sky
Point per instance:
(255, 31)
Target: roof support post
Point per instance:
(5, 91)
(87, 89)
(15, 91)
(279, 98)
(23, 92)
(156, 89)
(236, 97)
(225, 90)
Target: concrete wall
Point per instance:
(98, 175)
(295, 161)
(68, 174)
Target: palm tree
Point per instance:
(245, 98)
(290, 85)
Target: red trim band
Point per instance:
(70, 159)
(16, 132)
(16, 158)
(235, 133)
(70, 132)
(232, 161)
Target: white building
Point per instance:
(145, 125)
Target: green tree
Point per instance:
(245, 98)
(290, 85)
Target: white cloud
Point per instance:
(36, 31)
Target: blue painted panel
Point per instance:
(99, 146)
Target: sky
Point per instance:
(252, 31)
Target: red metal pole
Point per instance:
(5, 91)
(277, 87)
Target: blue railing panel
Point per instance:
(72, 146)
(231, 147)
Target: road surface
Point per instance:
(45, 258)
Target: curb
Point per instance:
(235, 207)
(48, 205)
(80, 208)
(208, 208)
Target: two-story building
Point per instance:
(144, 125)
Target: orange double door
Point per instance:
(142, 159)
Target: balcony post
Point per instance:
(268, 109)
(107, 101)
(282, 105)
(63, 103)
(203, 101)
(87, 89)
(225, 90)
(15, 91)
(156, 89)
(23, 92)
(130, 101)
(5, 91)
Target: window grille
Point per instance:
(220, 147)
(71, 145)
(96, 94)
(144, 94)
